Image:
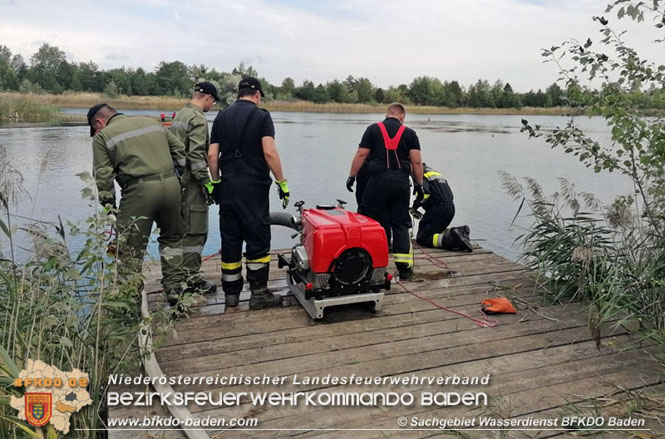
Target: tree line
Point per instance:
(49, 71)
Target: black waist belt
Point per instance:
(127, 181)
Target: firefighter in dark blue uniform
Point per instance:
(242, 149)
(439, 208)
(392, 150)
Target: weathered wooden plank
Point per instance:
(485, 279)
(274, 320)
(410, 317)
(400, 296)
(620, 404)
(466, 267)
(394, 362)
(404, 340)
(526, 369)
(506, 389)
(403, 315)
(551, 400)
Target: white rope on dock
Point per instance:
(153, 369)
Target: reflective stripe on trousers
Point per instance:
(231, 271)
(258, 264)
(404, 258)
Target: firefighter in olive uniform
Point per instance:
(439, 208)
(191, 127)
(392, 150)
(242, 148)
(142, 156)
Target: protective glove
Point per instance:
(283, 191)
(419, 192)
(349, 183)
(211, 189)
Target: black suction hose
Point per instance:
(286, 220)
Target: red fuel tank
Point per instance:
(330, 231)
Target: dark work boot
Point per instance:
(262, 297)
(173, 295)
(456, 238)
(201, 286)
(405, 275)
(231, 300)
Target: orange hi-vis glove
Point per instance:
(500, 305)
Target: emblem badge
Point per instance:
(38, 408)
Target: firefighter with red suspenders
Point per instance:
(393, 151)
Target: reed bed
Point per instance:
(17, 107)
(86, 100)
(311, 107)
(44, 107)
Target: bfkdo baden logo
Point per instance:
(38, 408)
(51, 395)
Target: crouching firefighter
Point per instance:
(439, 208)
(242, 147)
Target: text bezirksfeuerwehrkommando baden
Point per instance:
(296, 379)
(293, 398)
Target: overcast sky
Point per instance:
(389, 42)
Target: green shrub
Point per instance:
(613, 256)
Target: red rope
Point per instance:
(212, 255)
(484, 323)
(109, 233)
(437, 262)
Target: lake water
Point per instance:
(316, 151)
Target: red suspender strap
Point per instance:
(391, 144)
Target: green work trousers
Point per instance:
(146, 201)
(195, 216)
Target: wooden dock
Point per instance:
(543, 362)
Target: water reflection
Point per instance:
(316, 150)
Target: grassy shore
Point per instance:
(44, 107)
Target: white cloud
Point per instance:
(389, 42)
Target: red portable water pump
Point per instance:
(341, 258)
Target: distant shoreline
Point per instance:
(21, 108)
